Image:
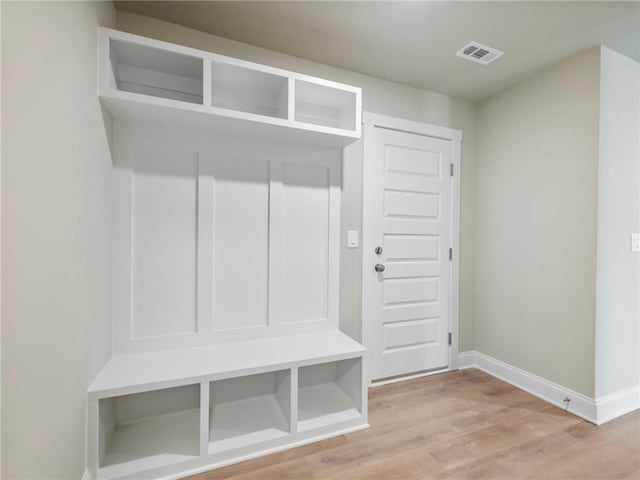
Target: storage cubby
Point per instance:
(155, 72)
(329, 393)
(148, 430)
(247, 90)
(327, 106)
(249, 410)
(224, 170)
(179, 87)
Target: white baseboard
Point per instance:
(466, 360)
(86, 476)
(553, 393)
(616, 404)
(597, 411)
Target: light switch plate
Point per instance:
(635, 242)
(352, 239)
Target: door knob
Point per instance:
(379, 267)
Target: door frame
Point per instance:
(370, 122)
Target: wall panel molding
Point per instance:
(264, 219)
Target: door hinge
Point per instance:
(450, 338)
(451, 165)
(450, 254)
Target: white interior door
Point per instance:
(407, 262)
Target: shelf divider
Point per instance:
(204, 418)
(294, 400)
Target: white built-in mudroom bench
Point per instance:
(226, 225)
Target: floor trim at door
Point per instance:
(410, 376)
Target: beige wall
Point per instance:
(379, 96)
(56, 234)
(536, 199)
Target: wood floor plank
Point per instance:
(458, 426)
(604, 464)
(401, 465)
(481, 470)
(232, 471)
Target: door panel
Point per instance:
(410, 183)
(410, 290)
(411, 314)
(414, 247)
(399, 313)
(407, 160)
(410, 333)
(411, 204)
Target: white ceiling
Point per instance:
(414, 42)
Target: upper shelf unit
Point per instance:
(165, 83)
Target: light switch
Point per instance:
(352, 239)
(635, 242)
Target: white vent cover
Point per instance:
(479, 53)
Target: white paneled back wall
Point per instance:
(219, 239)
(163, 235)
(305, 229)
(238, 202)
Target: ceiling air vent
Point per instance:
(479, 53)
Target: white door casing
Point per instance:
(411, 209)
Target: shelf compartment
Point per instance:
(326, 106)
(329, 393)
(248, 90)
(155, 72)
(249, 410)
(179, 87)
(148, 430)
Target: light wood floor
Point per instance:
(460, 425)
